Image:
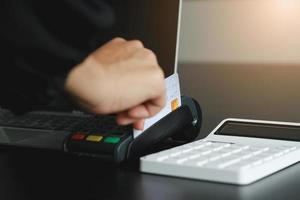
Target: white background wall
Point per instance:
(240, 31)
(229, 40)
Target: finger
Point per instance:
(139, 111)
(117, 40)
(142, 111)
(139, 125)
(147, 55)
(155, 105)
(135, 44)
(131, 47)
(135, 115)
(124, 119)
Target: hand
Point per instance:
(120, 77)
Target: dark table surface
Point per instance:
(46, 175)
(50, 175)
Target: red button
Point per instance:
(78, 136)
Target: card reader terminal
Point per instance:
(182, 125)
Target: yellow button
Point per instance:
(94, 138)
(174, 104)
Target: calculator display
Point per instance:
(260, 130)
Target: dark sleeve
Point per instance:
(42, 40)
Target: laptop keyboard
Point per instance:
(66, 122)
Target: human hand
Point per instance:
(120, 77)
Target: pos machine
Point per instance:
(98, 136)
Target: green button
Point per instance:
(113, 140)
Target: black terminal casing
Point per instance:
(178, 127)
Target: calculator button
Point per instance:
(94, 138)
(78, 136)
(194, 156)
(280, 153)
(214, 158)
(187, 150)
(162, 158)
(181, 160)
(226, 154)
(228, 163)
(247, 156)
(175, 154)
(293, 148)
(202, 162)
(112, 140)
(259, 162)
(218, 147)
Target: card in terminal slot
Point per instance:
(173, 101)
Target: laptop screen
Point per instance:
(155, 23)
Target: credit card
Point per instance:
(173, 101)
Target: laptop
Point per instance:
(157, 24)
(154, 22)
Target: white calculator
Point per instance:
(237, 151)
